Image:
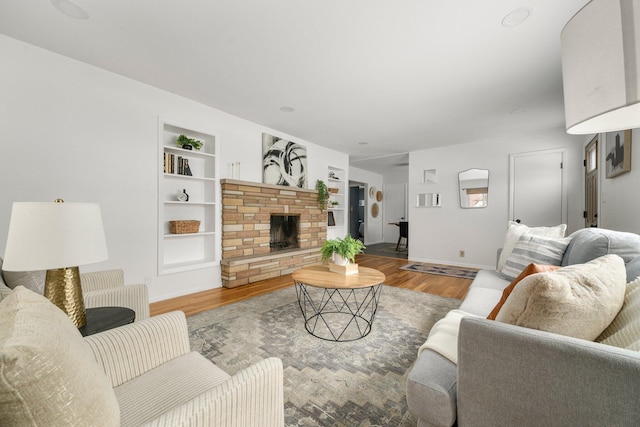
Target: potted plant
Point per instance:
(188, 143)
(334, 203)
(342, 251)
(323, 194)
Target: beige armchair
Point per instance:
(139, 374)
(99, 289)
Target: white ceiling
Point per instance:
(399, 75)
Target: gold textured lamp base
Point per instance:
(62, 287)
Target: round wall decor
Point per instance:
(379, 196)
(375, 210)
(372, 192)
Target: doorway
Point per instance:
(537, 189)
(395, 210)
(591, 183)
(356, 210)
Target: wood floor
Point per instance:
(440, 285)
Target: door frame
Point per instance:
(512, 199)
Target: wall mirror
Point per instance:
(429, 200)
(474, 188)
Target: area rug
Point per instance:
(359, 383)
(442, 270)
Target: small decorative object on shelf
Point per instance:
(342, 253)
(183, 197)
(334, 203)
(184, 226)
(333, 175)
(189, 143)
(334, 190)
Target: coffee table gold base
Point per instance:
(338, 314)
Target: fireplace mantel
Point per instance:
(246, 212)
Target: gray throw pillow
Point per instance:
(32, 280)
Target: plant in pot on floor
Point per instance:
(188, 143)
(342, 251)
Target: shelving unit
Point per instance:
(184, 252)
(337, 179)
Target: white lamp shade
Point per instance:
(45, 236)
(601, 67)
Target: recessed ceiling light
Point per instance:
(362, 143)
(70, 9)
(518, 110)
(287, 109)
(517, 17)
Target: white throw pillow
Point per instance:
(48, 374)
(579, 300)
(515, 230)
(532, 249)
(624, 331)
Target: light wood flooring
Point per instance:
(447, 286)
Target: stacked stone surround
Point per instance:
(246, 214)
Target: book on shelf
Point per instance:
(178, 166)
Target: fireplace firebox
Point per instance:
(284, 232)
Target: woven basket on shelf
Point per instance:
(333, 190)
(184, 226)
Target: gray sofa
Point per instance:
(508, 375)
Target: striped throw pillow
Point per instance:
(534, 249)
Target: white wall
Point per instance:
(619, 196)
(80, 133)
(438, 234)
(372, 226)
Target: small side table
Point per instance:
(101, 319)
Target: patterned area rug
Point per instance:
(442, 270)
(359, 383)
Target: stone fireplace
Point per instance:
(248, 254)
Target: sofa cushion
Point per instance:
(534, 249)
(578, 300)
(48, 375)
(529, 270)
(591, 243)
(515, 230)
(624, 331)
(33, 280)
(633, 269)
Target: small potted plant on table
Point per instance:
(342, 254)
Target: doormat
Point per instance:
(442, 270)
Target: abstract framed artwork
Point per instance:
(283, 162)
(618, 153)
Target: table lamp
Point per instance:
(56, 237)
(601, 67)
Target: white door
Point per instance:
(538, 195)
(394, 209)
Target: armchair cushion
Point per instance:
(189, 376)
(48, 375)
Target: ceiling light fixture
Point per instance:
(363, 143)
(287, 109)
(600, 67)
(70, 9)
(519, 110)
(517, 17)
